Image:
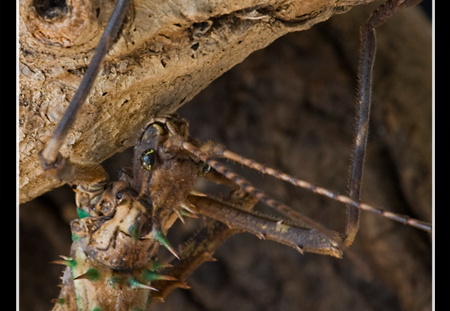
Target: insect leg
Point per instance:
(363, 104)
(300, 238)
(218, 151)
(201, 247)
(49, 155)
(209, 150)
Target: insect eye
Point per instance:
(204, 169)
(119, 196)
(148, 159)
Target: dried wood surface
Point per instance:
(167, 53)
(290, 106)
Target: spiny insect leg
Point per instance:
(249, 188)
(300, 238)
(201, 247)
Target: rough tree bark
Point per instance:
(289, 106)
(167, 53)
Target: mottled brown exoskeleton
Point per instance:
(114, 258)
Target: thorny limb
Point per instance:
(201, 247)
(282, 231)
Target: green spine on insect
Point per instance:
(134, 231)
(82, 213)
(91, 274)
(161, 238)
(120, 290)
(149, 276)
(111, 265)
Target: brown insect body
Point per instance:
(117, 236)
(88, 285)
(112, 254)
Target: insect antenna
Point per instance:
(404, 219)
(50, 153)
(257, 193)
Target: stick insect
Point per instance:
(203, 155)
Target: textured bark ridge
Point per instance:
(289, 106)
(168, 52)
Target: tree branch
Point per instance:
(167, 53)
